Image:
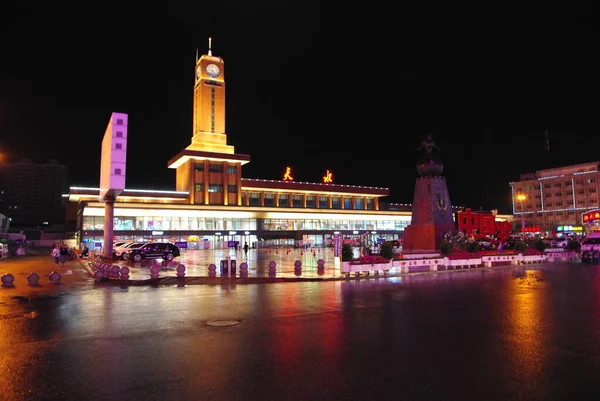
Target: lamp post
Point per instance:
(521, 198)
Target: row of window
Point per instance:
(556, 184)
(312, 201)
(215, 188)
(216, 168)
(223, 224)
(568, 203)
(591, 190)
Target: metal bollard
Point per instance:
(243, 269)
(272, 268)
(115, 271)
(54, 277)
(124, 272)
(181, 270)
(99, 275)
(33, 279)
(8, 280)
(212, 270)
(154, 271)
(297, 268)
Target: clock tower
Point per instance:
(209, 104)
(208, 169)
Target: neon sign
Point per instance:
(569, 228)
(328, 177)
(590, 217)
(288, 174)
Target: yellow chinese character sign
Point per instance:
(287, 176)
(328, 177)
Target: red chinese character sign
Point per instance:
(287, 176)
(328, 177)
(590, 217)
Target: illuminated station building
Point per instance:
(213, 207)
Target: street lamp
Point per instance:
(521, 198)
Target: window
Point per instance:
(284, 200)
(370, 204)
(117, 171)
(232, 189)
(118, 145)
(254, 199)
(119, 121)
(119, 134)
(199, 167)
(358, 203)
(199, 187)
(215, 188)
(347, 203)
(296, 200)
(215, 168)
(323, 202)
(310, 201)
(231, 169)
(269, 200)
(336, 202)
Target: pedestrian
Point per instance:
(64, 252)
(246, 249)
(56, 254)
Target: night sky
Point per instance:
(352, 89)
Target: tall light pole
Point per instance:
(521, 198)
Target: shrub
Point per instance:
(457, 239)
(445, 247)
(573, 245)
(347, 253)
(473, 246)
(520, 246)
(386, 250)
(540, 245)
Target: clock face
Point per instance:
(212, 70)
(441, 203)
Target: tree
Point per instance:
(347, 253)
(386, 250)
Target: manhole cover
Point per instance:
(223, 323)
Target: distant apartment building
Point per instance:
(31, 194)
(552, 201)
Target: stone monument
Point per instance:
(431, 209)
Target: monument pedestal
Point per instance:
(431, 216)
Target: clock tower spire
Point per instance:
(209, 169)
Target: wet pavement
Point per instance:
(528, 332)
(81, 273)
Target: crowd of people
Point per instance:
(61, 253)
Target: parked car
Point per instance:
(560, 242)
(121, 251)
(590, 248)
(158, 250)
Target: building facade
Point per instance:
(553, 201)
(213, 206)
(31, 194)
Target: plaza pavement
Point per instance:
(80, 273)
